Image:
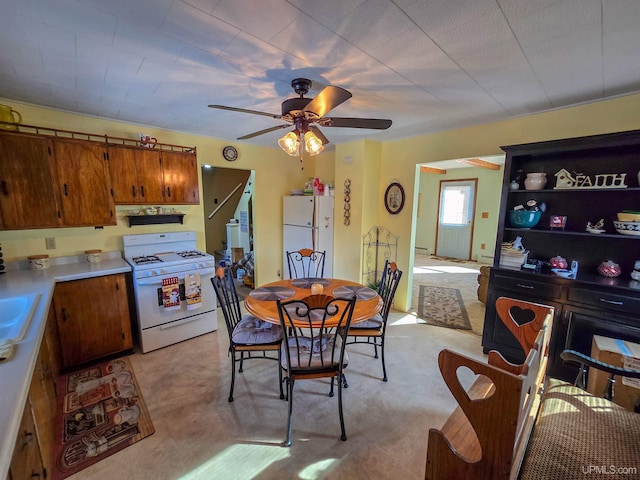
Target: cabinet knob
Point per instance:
(169, 192)
(133, 190)
(142, 190)
(64, 315)
(3, 187)
(66, 190)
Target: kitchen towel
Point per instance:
(193, 292)
(170, 293)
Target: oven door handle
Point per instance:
(179, 322)
(158, 280)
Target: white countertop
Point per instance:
(15, 374)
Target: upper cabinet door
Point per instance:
(84, 183)
(136, 175)
(27, 188)
(180, 177)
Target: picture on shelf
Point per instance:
(558, 222)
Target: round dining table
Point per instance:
(261, 302)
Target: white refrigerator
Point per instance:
(308, 223)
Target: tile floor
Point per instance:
(200, 435)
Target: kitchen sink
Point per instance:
(15, 315)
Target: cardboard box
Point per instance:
(620, 354)
(236, 254)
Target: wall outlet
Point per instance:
(50, 243)
(483, 246)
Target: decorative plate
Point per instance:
(394, 198)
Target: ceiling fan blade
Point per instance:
(328, 98)
(244, 110)
(319, 134)
(375, 123)
(266, 130)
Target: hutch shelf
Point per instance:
(590, 304)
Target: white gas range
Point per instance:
(172, 286)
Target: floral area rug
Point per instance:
(442, 307)
(101, 412)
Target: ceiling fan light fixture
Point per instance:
(312, 144)
(290, 143)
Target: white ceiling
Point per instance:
(428, 65)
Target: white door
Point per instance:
(455, 218)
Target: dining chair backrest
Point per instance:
(225, 289)
(306, 263)
(309, 343)
(524, 319)
(388, 285)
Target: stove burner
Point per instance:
(190, 254)
(146, 259)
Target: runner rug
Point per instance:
(102, 412)
(442, 307)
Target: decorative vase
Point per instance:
(558, 262)
(535, 181)
(514, 185)
(609, 269)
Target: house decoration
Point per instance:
(347, 202)
(566, 179)
(558, 222)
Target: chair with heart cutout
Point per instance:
(524, 320)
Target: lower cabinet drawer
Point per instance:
(604, 300)
(26, 462)
(526, 286)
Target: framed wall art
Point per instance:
(394, 198)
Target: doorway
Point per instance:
(228, 211)
(456, 211)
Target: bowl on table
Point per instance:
(627, 228)
(524, 218)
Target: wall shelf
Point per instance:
(155, 219)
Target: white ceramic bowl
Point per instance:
(627, 228)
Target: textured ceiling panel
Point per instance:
(428, 65)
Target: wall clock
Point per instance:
(230, 153)
(394, 198)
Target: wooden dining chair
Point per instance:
(373, 330)
(314, 331)
(306, 263)
(524, 320)
(248, 335)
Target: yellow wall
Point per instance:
(277, 174)
(399, 158)
(487, 200)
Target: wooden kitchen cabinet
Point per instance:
(84, 183)
(180, 171)
(33, 454)
(26, 462)
(136, 175)
(28, 194)
(92, 317)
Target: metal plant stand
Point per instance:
(378, 245)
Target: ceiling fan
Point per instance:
(306, 114)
